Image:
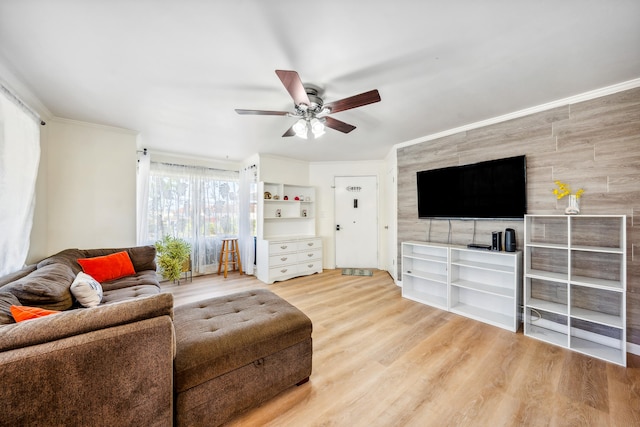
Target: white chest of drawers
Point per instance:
(288, 258)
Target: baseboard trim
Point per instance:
(633, 348)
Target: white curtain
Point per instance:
(247, 219)
(19, 159)
(142, 194)
(199, 205)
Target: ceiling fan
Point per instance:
(310, 109)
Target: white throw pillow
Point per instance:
(86, 290)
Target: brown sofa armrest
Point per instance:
(83, 320)
(120, 375)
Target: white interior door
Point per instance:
(356, 214)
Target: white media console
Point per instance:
(479, 284)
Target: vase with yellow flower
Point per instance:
(564, 190)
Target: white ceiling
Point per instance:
(175, 70)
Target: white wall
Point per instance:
(283, 170)
(321, 176)
(89, 196)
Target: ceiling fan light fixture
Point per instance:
(317, 127)
(300, 128)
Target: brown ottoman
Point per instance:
(236, 351)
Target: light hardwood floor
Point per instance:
(381, 360)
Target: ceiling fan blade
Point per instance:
(289, 132)
(261, 112)
(338, 125)
(293, 84)
(354, 101)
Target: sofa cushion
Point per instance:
(75, 322)
(86, 290)
(21, 313)
(46, 287)
(108, 267)
(128, 293)
(147, 277)
(7, 299)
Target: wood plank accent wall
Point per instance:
(593, 145)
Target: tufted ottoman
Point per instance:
(236, 351)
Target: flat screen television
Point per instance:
(494, 189)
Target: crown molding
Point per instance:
(586, 96)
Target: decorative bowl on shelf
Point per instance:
(267, 195)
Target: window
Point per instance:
(197, 204)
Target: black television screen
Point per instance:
(492, 189)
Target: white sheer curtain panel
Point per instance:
(19, 159)
(142, 194)
(199, 205)
(247, 218)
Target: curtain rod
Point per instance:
(21, 103)
(193, 166)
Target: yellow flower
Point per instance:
(565, 190)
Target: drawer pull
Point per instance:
(284, 247)
(284, 270)
(310, 265)
(310, 255)
(284, 258)
(310, 243)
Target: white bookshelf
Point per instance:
(287, 245)
(575, 283)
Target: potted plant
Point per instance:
(173, 252)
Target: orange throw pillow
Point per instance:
(108, 267)
(21, 312)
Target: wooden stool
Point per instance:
(230, 254)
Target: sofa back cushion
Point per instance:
(12, 277)
(142, 257)
(47, 287)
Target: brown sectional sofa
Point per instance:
(132, 360)
(107, 365)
